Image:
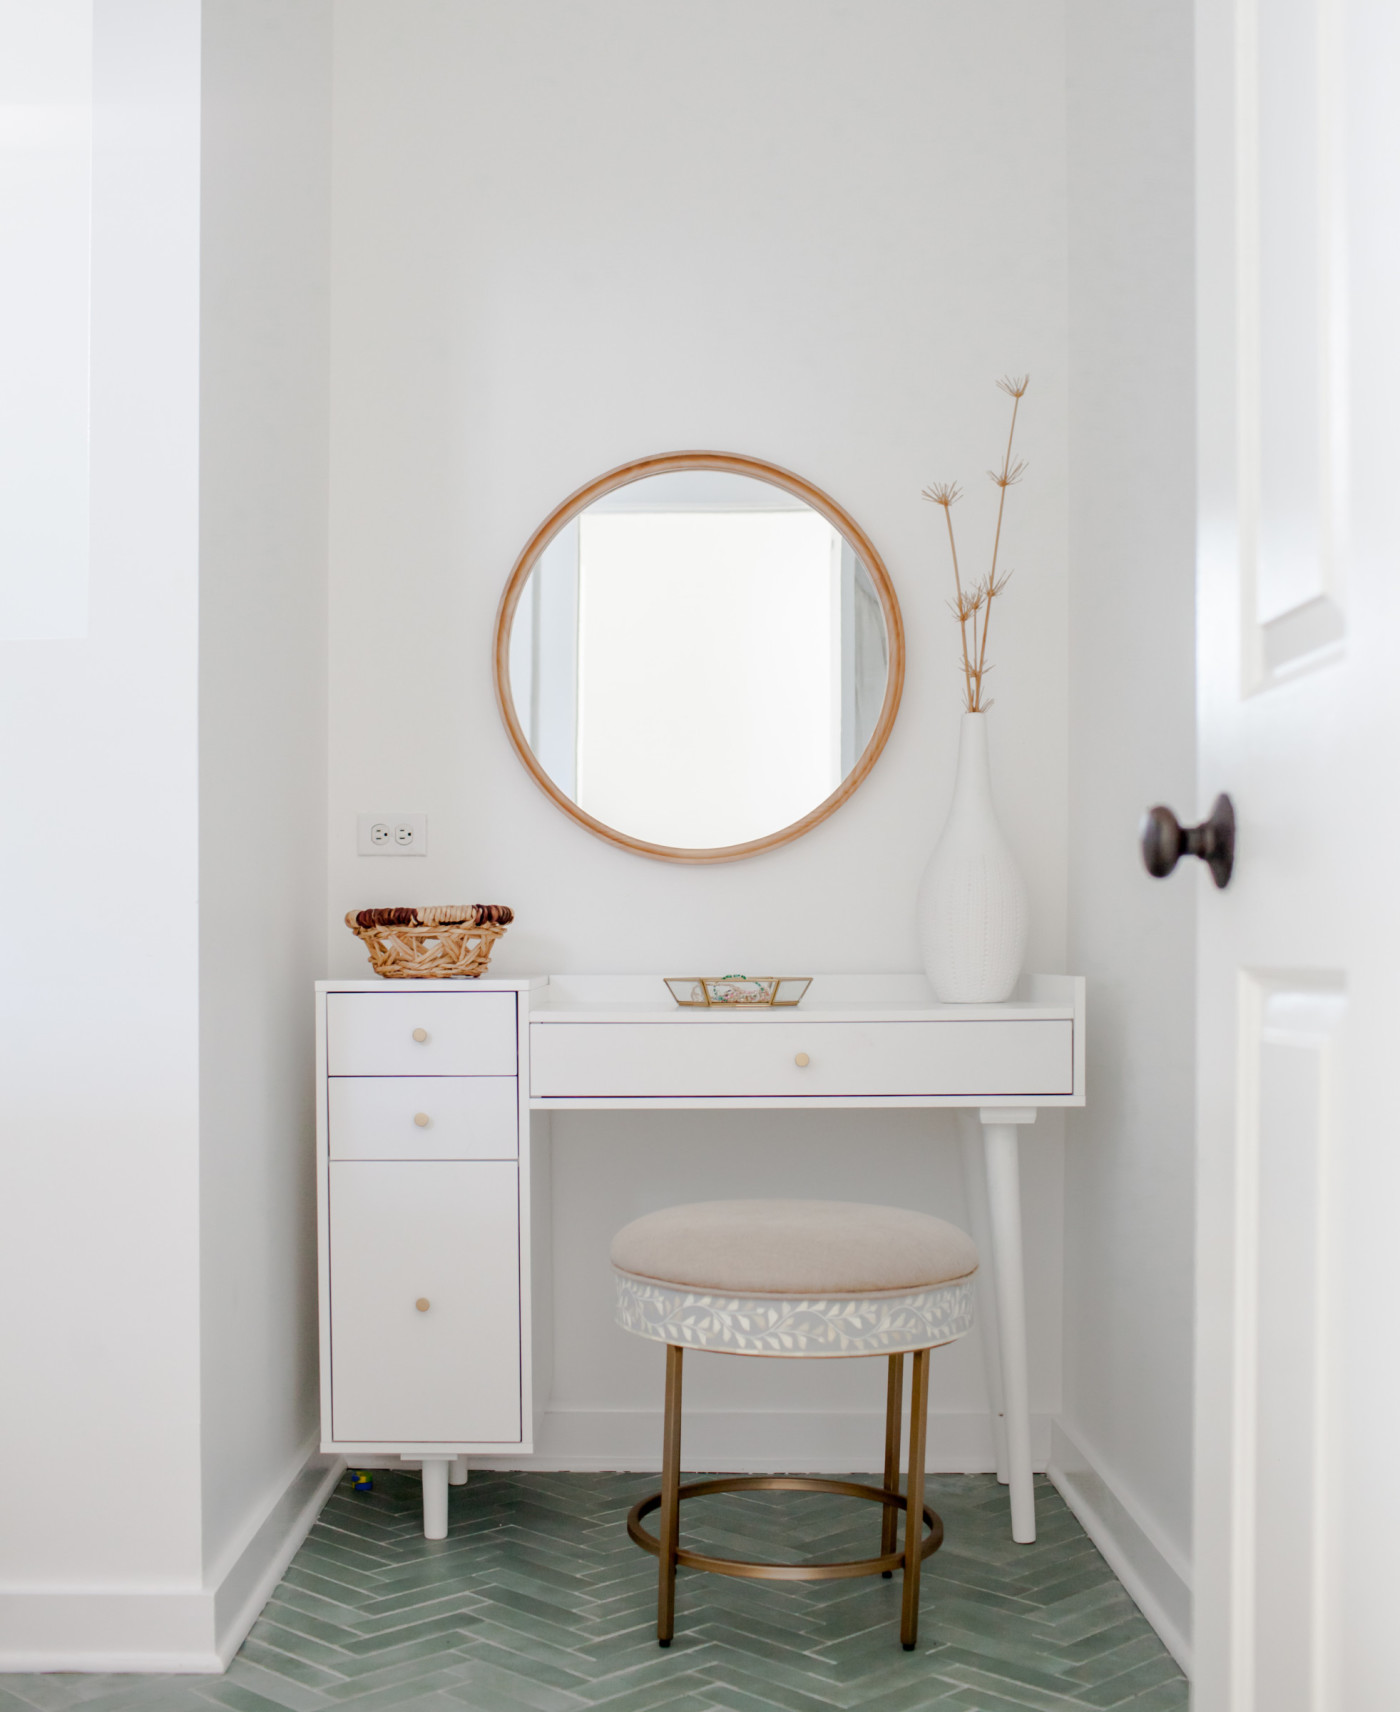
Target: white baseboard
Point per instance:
(758, 1441)
(1154, 1573)
(198, 1629)
(246, 1585)
(185, 1628)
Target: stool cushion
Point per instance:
(794, 1278)
(794, 1247)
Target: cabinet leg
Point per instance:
(435, 1497)
(1004, 1198)
(457, 1472)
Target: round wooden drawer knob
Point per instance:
(420, 1035)
(421, 1119)
(422, 1304)
(802, 1061)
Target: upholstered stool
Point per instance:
(797, 1280)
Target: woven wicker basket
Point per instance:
(434, 943)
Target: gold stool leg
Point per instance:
(670, 1498)
(894, 1407)
(914, 1492)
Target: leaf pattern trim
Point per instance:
(794, 1325)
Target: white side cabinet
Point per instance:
(424, 1191)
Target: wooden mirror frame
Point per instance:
(733, 464)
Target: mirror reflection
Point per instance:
(698, 659)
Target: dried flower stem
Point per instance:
(1016, 389)
(962, 606)
(978, 601)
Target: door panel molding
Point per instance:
(1290, 348)
(1288, 1028)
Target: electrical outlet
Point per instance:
(393, 835)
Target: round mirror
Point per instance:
(699, 656)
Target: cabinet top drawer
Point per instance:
(420, 1034)
(973, 1060)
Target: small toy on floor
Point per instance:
(363, 1481)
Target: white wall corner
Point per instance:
(165, 1628)
(245, 1582)
(1154, 1573)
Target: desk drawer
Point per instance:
(467, 1117)
(464, 1034)
(988, 1060)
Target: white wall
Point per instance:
(45, 312)
(265, 259)
(566, 236)
(1123, 1452)
(99, 1227)
(155, 1241)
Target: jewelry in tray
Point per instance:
(781, 992)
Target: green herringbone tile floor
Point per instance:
(537, 1602)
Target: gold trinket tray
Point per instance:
(779, 991)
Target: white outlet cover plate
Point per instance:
(396, 834)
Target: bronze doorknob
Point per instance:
(1165, 841)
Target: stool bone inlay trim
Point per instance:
(794, 1325)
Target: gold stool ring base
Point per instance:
(882, 1565)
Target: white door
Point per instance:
(1297, 1598)
(425, 1302)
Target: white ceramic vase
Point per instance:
(972, 908)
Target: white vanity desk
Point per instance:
(433, 1167)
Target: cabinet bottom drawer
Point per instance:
(425, 1301)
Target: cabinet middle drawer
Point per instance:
(423, 1117)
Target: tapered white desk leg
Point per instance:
(457, 1472)
(435, 1496)
(1002, 1148)
(979, 1223)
